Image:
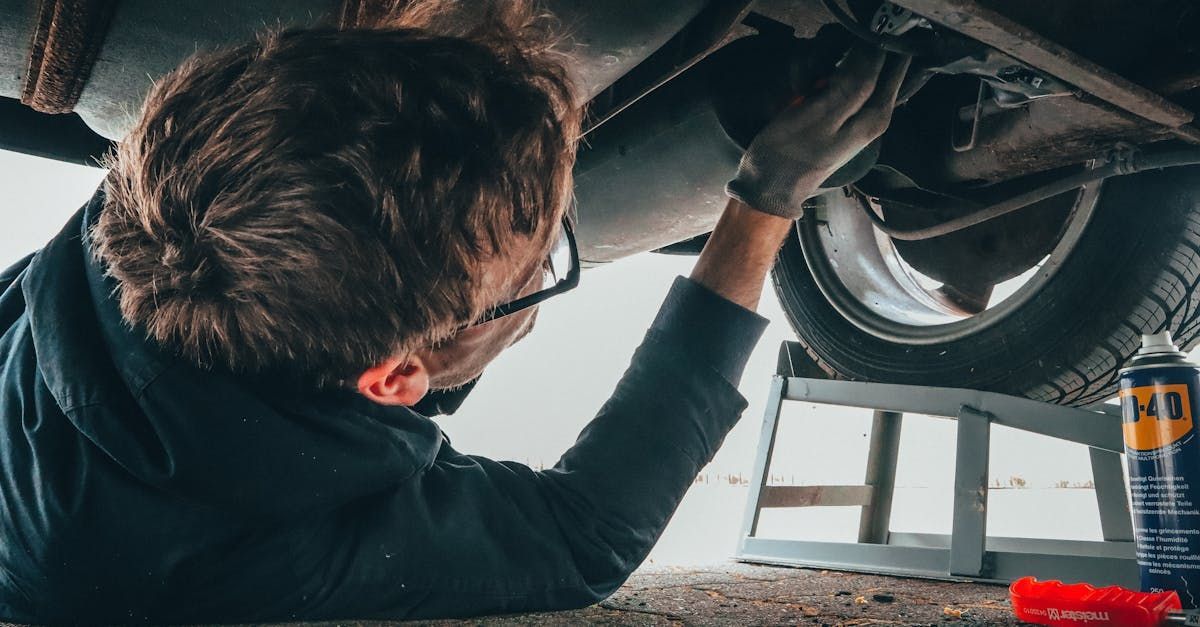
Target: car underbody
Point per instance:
(1014, 114)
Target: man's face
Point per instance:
(464, 357)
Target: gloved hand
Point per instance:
(807, 142)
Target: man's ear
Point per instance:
(396, 381)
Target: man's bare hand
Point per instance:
(807, 142)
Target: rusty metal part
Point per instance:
(1043, 135)
(1040, 136)
(1137, 39)
(974, 20)
(66, 42)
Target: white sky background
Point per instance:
(534, 400)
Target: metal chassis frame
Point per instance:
(968, 553)
(978, 21)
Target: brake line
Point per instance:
(1123, 163)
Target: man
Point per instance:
(210, 377)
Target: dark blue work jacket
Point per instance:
(135, 487)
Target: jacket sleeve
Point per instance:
(472, 536)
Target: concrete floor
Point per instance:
(740, 594)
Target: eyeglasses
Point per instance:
(560, 273)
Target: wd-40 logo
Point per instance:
(1155, 415)
(1073, 615)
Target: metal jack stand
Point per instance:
(968, 552)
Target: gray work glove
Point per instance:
(806, 143)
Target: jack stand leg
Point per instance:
(1111, 497)
(968, 539)
(762, 462)
(884, 449)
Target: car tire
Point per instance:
(1134, 269)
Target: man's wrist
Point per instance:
(740, 252)
(753, 221)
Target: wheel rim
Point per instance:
(862, 276)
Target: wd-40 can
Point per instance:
(1159, 391)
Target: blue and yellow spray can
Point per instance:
(1159, 392)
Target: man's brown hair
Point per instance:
(321, 199)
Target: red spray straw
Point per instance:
(1060, 605)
